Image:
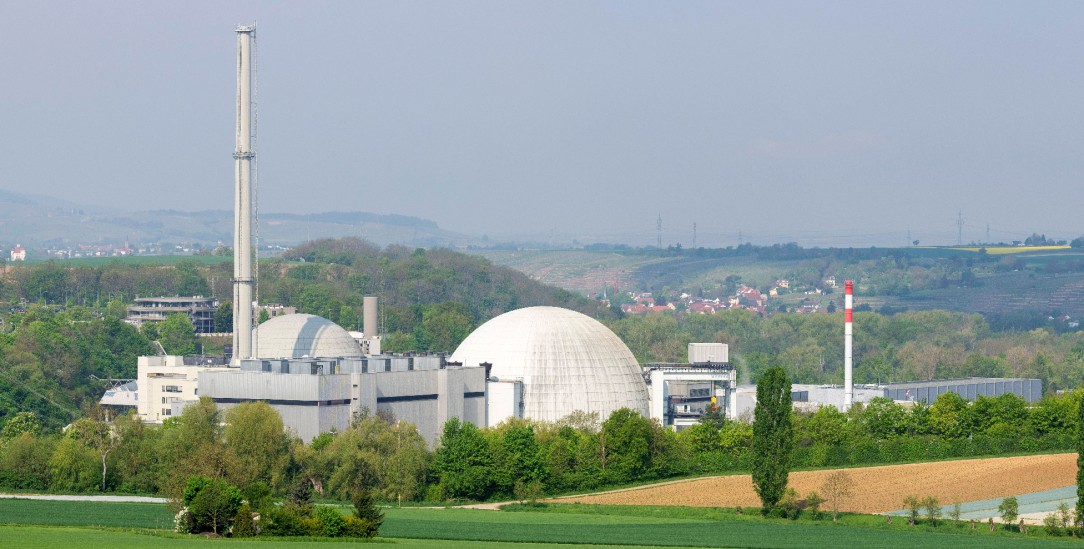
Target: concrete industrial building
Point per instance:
(200, 310)
(808, 397)
(314, 396)
(681, 393)
(548, 362)
(166, 384)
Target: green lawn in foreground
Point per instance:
(587, 525)
(573, 527)
(43, 537)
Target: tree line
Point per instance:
(247, 446)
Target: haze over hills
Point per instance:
(40, 222)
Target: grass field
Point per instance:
(36, 537)
(582, 526)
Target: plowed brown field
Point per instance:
(876, 489)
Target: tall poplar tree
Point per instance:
(1080, 462)
(773, 437)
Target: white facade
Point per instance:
(165, 386)
(315, 396)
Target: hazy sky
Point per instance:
(835, 123)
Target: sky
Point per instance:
(824, 123)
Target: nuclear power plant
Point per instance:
(540, 363)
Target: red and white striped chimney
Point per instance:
(848, 380)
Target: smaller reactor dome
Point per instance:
(298, 335)
(566, 360)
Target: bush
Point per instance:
(331, 521)
(814, 501)
(933, 509)
(790, 505)
(311, 526)
(912, 504)
(355, 527)
(212, 503)
(285, 521)
(243, 525)
(1058, 522)
(182, 521)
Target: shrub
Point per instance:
(243, 525)
(311, 526)
(284, 521)
(912, 505)
(790, 506)
(814, 501)
(182, 521)
(933, 509)
(355, 527)
(1058, 522)
(212, 503)
(954, 514)
(331, 521)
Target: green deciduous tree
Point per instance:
(224, 317)
(516, 456)
(97, 436)
(212, 503)
(463, 462)
(254, 435)
(177, 335)
(1009, 509)
(23, 422)
(773, 440)
(626, 447)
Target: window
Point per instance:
(167, 411)
(171, 389)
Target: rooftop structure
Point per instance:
(682, 392)
(303, 335)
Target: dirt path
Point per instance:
(877, 489)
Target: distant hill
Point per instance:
(40, 222)
(1010, 289)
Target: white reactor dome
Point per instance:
(298, 335)
(567, 362)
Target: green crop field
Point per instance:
(93, 525)
(84, 513)
(638, 528)
(37, 537)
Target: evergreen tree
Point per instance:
(773, 439)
